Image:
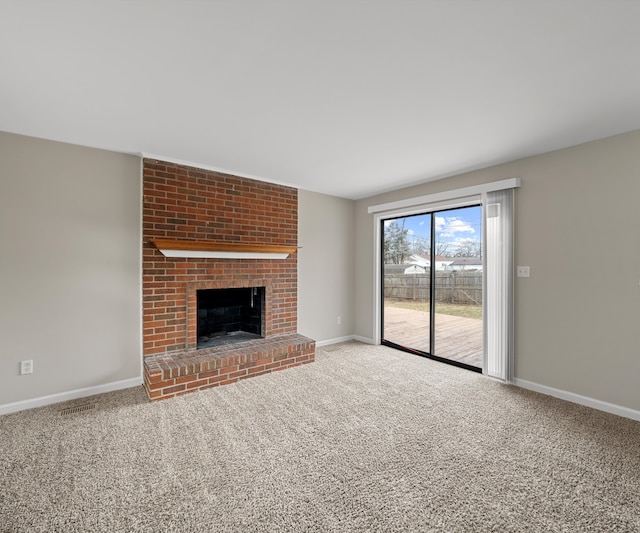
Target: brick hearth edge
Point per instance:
(169, 375)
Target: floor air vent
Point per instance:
(79, 409)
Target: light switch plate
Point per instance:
(523, 271)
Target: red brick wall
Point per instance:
(183, 202)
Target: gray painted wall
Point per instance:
(325, 266)
(577, 226)
(69, 267)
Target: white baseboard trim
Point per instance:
(348, 338)
(70, 395)
(328, 342)
(577, 398)
(366, 340)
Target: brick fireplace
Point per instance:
(195, 206)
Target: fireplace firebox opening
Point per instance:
(228, 316)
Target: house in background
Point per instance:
(465, 263)
(71, 205)
(420, 264)
(443, 263)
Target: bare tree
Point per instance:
(396, 243)
(468, 248)
(442, 248)
(422, 246)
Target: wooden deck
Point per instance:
(456, 338)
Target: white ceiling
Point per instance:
(344, 97)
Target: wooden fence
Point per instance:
(451, 287)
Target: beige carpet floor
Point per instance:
(365, 439)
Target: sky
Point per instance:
(452, 227)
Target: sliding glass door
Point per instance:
(432, 285)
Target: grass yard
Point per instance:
(467, 311)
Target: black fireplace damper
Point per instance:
(229, 315)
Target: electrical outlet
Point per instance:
(339, 321)
(26, 367)
(523, 271)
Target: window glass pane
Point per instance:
(406, 291)
(458, 285)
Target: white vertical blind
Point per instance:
(498, 280)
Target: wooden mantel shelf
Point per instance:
(221, 250)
